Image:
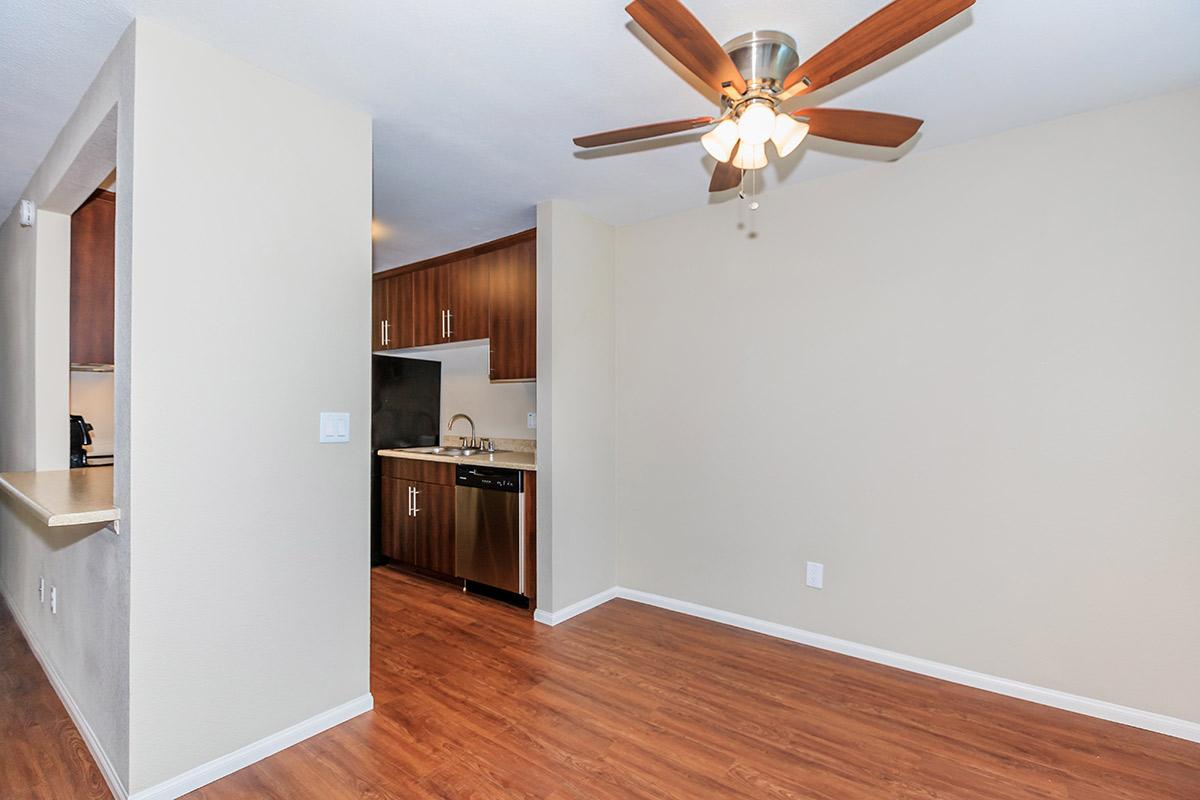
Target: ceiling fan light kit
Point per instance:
(757, 72)
(788, 134)
(720, 140)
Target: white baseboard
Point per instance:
(575, 609)
(103, 763)
(256, 751)
(203, 774)
(1101, 709)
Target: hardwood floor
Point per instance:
(474, 700)
(41, 752)
(627, 701)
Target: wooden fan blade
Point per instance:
(642, 132)
(860, 127)
(680, 34)
(726, 176)
(888, 29)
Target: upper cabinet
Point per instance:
(93, 233)
(450, 302)
(392, 309)
(430, 289)
(467, 304)
(486, 292)
(512, 325)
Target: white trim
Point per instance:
(103, 763)
(1101, 709)
(575, 609)
(205, 773)
(256, 751)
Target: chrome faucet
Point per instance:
(472, 442)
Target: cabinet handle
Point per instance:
(449, 326)
(382, 335)
(387, 333)
(415, 492)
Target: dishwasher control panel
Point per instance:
(496, 479)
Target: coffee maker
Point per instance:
(80, 436)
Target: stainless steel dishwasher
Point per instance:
(489, 527)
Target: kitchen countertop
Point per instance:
(65, 496)
(510, 460)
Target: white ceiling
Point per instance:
(475, 103)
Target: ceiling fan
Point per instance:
(756, 72)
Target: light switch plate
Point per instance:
(815, 576)
(531, 420)
(335, 426)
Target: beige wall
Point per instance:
(85, 645)
(966, 382)
(51, 337)
(576, 406)
(251, 290)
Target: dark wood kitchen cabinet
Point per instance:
(391, 509)
(450, 302)
(392, 312)
(433, 528)
(484, 292)
(417, 514)
(429, 289)
(512, 325)
(93, 235)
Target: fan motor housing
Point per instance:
(764, 58)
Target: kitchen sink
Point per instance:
(453, 451)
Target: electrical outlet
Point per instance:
(531, 420)
(53, 599)
(41, 589)
(815, 576)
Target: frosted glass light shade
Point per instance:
(788, 134)
(757, 123)
(751, 156)
(720, 140)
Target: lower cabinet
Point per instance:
(429, 536)
(417, 514)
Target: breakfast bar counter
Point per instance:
(66, 496)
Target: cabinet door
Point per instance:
(434, 530)
(93, 234)
(392, 511)
(468, 298)
(379, 314)
(400, 310)
(513, 303)
(429, 305)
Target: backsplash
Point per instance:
(92, 396)
(498, 409)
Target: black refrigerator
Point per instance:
(406, 403)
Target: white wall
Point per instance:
(86, 644)
(250, 287)
(966, 382)
(576, 406)
(498, 409)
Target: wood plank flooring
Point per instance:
(41, 753)
(474, 700)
